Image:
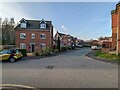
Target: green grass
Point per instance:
(107, 56)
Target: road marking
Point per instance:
(100, 61)
(14, 85)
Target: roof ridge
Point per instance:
(37, 20)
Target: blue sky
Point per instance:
(85, 20)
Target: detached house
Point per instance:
(65, 40)
(116, 28)
(34, 35)
(71, 40)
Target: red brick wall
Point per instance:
(114, 20)
(114, 30)
(65, 40)
(115, 27)
(37, 40)
(118, 29)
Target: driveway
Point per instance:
(70, 69)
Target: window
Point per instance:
(43, 25)
(69, 39)
(42, 45)
(23, 25)
(42, 36)
(33, 36)
(22, 46)
(22, 35)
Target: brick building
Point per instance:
(34, 35)
(65, 40)
(116, 28)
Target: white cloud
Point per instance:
(14, 10)
(64, 29)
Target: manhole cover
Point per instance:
(50, 67)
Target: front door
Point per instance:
(32, 47)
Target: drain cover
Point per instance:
(50, 67)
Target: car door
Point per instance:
(5, 56)
(18, 54)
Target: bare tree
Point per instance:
(8, 33)
(5, 32)
(12, 32)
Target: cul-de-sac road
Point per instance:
(70, 69)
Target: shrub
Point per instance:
(63, 49)
(37, 54)
(23, 51)
(45, 52)
(56, 50)
(69, 48)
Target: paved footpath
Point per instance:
(71, 69)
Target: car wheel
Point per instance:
(21, 58)
(12, 59)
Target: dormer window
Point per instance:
(42, 24)
(23, 25)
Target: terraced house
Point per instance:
(116, 28)
(34, 35)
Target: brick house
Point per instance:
(34, 35)
(76, 41)
(106, 43)
(65, 40)
(71, 40)
(116, 28)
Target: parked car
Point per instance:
(94, 47)
(11, 55)
(79, 46)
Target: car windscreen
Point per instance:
(5, 52)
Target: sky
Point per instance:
(84, 20)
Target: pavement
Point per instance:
(70, 69)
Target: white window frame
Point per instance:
(44, 37)
(43, 45)
(22, 46)
(21, 37)
(23, 25)
(69, 39)
(43, 25)
(33, 36)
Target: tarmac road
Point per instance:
(70, 69)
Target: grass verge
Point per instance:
(107, 56)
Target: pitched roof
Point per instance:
(61, 34)
(34, 24)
